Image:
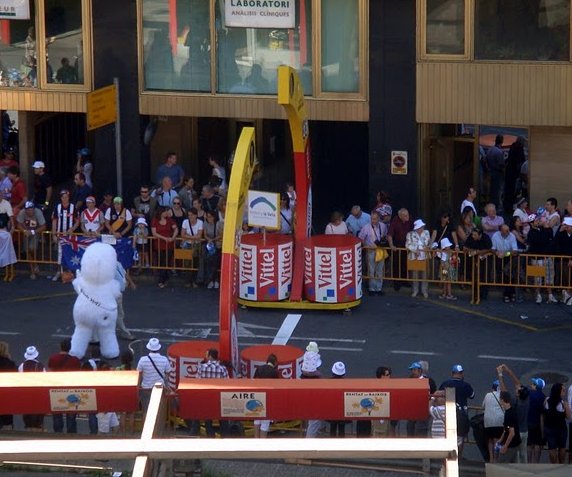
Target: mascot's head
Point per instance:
(98, 264)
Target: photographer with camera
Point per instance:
(374, 238)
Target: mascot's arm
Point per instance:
(116, 289)
(77, 283)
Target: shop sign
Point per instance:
(399, 163)
(15, 9)
(243, 404)
(264, 209)
(73, 400)
(260, 13)
(366, 404)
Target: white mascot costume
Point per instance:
(95, 309)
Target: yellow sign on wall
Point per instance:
(101, 107)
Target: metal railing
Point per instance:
(155, 447)
(512, 272)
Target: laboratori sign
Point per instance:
(260, 13)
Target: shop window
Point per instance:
(177, 45)
(248, 58)
(18, 48)
(518, 30)
(64, 42)
(340, 46)
(445, 34)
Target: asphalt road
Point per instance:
(392, 330)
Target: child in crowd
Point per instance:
(107, 422)
(448, 269)
(437, 412)
(7, 252)
(141, 242)
(291, 194)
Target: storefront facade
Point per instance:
(189, 79)
(483, 63)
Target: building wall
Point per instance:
(392, 123)
(550, 168)
(115, 55)
(511, 94)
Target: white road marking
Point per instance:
(510, 358)
(246, 325)
(286, 330)
(188, 333)
(9, 333)
(306, 338)
(329, 348)
(419, 353)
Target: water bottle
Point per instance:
(497, 449)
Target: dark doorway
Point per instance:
(339, 169)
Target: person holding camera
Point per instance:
(374, 238)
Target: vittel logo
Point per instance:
(324, 269)
(346, 267)
(267, 267)
(307, 266)
(285, 370)
(286, 259)
(246, 265)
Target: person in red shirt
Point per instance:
(63, 361)
(164, 230)
(399, 227)
(19, 190)
(8, 160)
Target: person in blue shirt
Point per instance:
(505, 247)
(170, 169)
(463, 392)
(357, 220)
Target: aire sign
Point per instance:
(15, 9)
(260, 13)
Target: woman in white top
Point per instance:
(285, 214)
(192, 232)
(494, 418)
(337, 226)
(417, 244)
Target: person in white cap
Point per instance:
(32, 422)
(141, 243)
(417, 244)
(448, 268)
(539, 244)
(43, 188)
(338, 428)
(31, 223)
(91, 219)
(154, 368)
(463, 392)
(310, 364)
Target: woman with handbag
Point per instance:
(417, 245)
(494, 417)
(210, 253)
(374, 237)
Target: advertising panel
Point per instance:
(15, 9)
(264, 209)
(260, 13)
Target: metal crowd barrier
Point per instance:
(42, 249)
(399, 269)
(515, 271)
